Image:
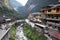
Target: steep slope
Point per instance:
(38, 4)
(15, 4)
(31, 6)
(10, 12)
(34, 6)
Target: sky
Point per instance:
(23, 2)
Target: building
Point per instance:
(58, 0)
(6, 2)
(49, 23)
(35, 17)
(52, 19)
(5, 28)
(36, 5)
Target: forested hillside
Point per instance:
(9, 12)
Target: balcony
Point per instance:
(52, 23)
(52, 19)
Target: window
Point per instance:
(49, 10)
(58, 9)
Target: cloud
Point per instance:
(23, 2)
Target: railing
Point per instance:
(5, 35)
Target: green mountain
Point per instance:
(10, 12)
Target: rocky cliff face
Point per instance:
(32, 5)
(38, 4)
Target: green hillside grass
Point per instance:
(32, 34)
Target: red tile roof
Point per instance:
(55, 34)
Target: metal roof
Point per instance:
(55, 34)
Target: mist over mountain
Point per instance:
(15, 4)
(21, 9)
(31, 5)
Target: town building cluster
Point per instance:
(48, 20)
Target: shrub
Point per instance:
(31, 33)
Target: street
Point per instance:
(20, 34)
